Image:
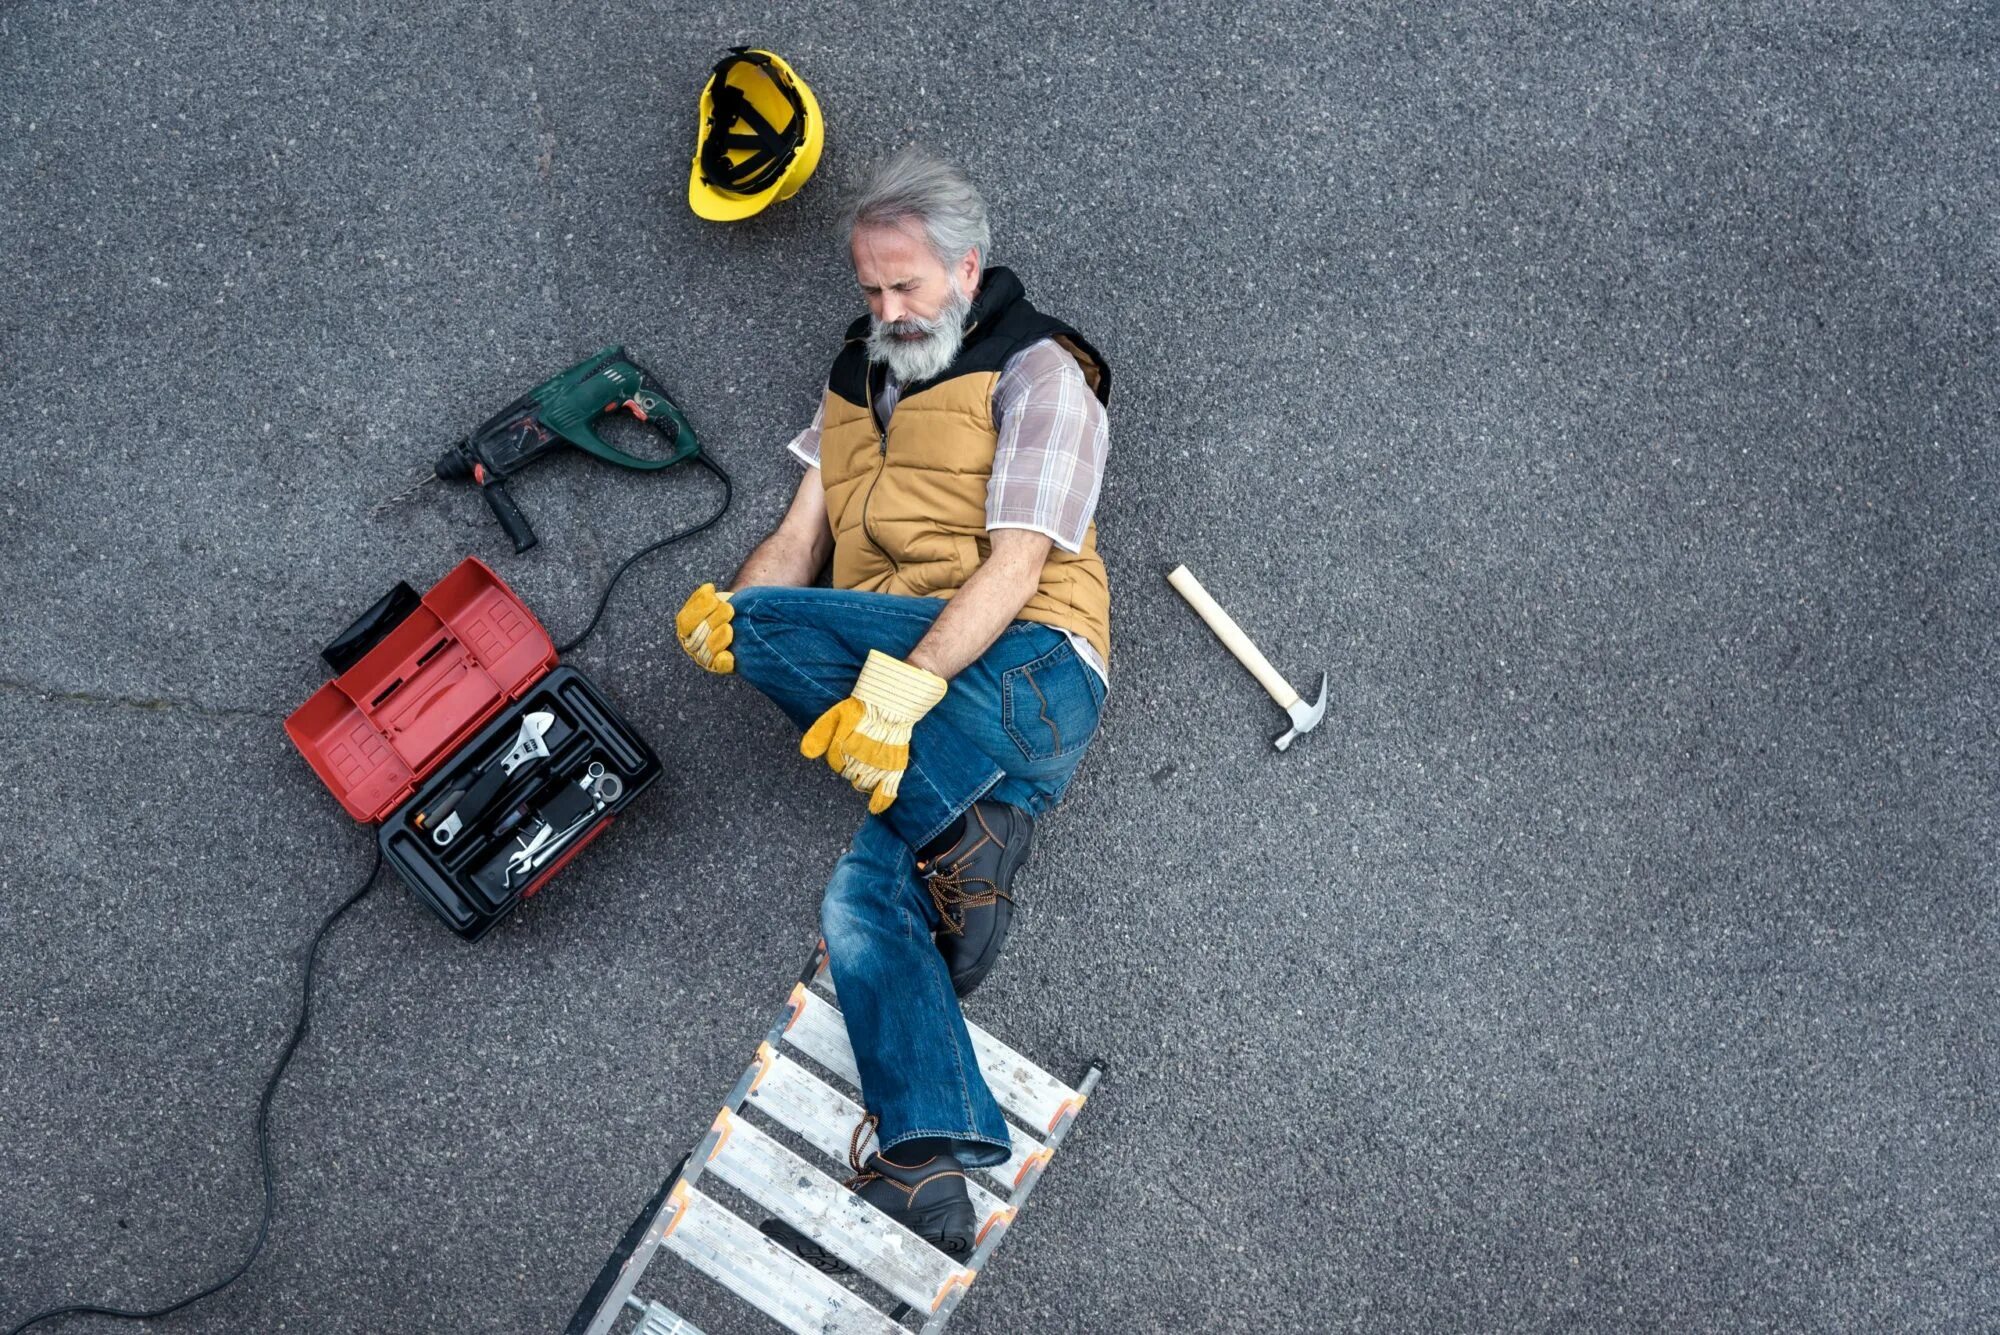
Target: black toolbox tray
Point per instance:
(587, 727)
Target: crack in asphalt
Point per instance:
(151, 705)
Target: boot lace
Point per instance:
(952, 895)
(862, 1131)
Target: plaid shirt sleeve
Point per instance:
(805, 445)
(1048, 465)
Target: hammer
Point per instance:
(1305, 717)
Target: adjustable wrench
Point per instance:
(465, 804)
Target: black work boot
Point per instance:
(928, 1198)
(971, 883)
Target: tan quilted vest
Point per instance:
(908, 506)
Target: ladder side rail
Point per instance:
(690, 1171)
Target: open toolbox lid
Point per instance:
(467, 650)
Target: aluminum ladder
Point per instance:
(920, 1281)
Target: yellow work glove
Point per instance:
(866, 737)
(703, 625)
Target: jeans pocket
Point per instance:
(1048, 706)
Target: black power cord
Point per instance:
(727, 490)
(299, 1031)
(304, 1025)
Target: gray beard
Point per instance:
(920, 360)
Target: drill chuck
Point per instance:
(455, 463)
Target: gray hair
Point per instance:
(920, 185)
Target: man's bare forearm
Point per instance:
(797, 547)
(987, 605)
(779, 559)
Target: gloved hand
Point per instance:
(866, 737)
(703, 627)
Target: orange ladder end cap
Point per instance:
(767, 1057)
(962, 1280)
(678, 1198)
(1070, 1107)
(722, 1126)
(1035, 1160)
(1002, 1217)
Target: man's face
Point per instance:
(917, 304)
(902, 278)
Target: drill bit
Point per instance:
(428, 475)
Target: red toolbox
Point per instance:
(485, 765)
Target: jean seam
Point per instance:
(952, 1133)
(1028, 675)
(941, 989)
(953, 810)
(813, 684)
(783, 600)
(1007, 679)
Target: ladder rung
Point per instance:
(832, 1216)
(825, 1118)
(768, 1277)
(657, 1320)
(820, 1033)
(1022, 1088)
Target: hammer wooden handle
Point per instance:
(1232, 637)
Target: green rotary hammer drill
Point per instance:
(562, 411)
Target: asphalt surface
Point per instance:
(1604, 396)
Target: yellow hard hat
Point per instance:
(760, 136)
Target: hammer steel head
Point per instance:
(1305, 717)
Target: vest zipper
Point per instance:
(882, 454)
(882, 463)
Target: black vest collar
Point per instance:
(1001, 322)
(999, 290)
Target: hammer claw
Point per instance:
(1305, 717)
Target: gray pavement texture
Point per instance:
(1604, 394)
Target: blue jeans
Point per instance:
(1012, 727)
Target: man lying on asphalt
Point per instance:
(954, 671)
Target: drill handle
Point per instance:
(647, 401)
(509, 514)
(660, 412)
